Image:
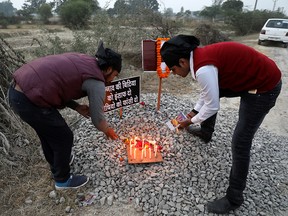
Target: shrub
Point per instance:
(75, 14)
(3, 23)
(251, 21)
(209, 35)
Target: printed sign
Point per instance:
(122, 93)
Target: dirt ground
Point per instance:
(276, 122)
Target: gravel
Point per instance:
(192, 172)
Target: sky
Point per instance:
(192, 5)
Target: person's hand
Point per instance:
(83, 110)
(185, 123)
(110, 133)
(190, 115)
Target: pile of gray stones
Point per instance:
(192, 173)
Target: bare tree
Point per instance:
(217, 2)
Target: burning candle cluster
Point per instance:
(142, 151)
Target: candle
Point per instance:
(150, 153)
(135, 140)
(134, 153)
(130, 147)
(155, 150)
(144, 152)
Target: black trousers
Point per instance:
(252, 111)
(55, 135)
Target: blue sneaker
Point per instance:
(74, 182)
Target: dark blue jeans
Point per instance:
(252, 111)
(55, 135)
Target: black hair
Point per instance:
(107, 57)
(178, 47)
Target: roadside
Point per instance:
(33, 197)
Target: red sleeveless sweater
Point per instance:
(240, 67)
(54, 80)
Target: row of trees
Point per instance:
(233, 14)
(225, 9)
(77, 13)
(88, 7)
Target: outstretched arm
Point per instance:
(96, 93)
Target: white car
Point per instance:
(274, 30)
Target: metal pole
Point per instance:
(256, 1)
(159, 93)
(274, 4)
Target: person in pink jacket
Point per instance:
(44, 85)
(226, 69)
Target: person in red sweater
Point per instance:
(226, 69)
(44, 85)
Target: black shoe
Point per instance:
(221, 206)
(196, 131)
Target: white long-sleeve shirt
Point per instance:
(208, 104)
